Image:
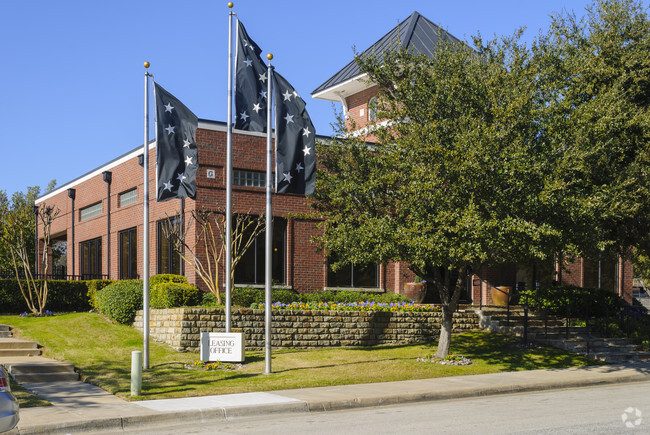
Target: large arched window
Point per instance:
(372, 109)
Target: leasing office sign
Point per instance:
(222, 346)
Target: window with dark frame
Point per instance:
(363, 276)
(250, 269)
(90, 260)
(601, 273)
(129, 254)
(169, 260)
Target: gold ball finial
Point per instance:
(147, 64)
(269, 56)
(230, 5)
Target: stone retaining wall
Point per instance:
(181, 327)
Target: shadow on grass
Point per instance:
(341, 364)
(507, 352)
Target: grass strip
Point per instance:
(26, 399)
(101, 351)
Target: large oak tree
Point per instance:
(480, 163)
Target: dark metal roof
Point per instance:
(415, 33)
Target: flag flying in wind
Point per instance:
(176, 152)
(251, 86)
(296, 152)
(295, 135)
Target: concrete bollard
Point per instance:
(136, 372)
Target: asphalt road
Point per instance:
(594, 410)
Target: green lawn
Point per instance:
(101, 351)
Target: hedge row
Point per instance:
(575, 301)
(167, 291)
(61, 296)
(246, 297)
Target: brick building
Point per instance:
(101, 212)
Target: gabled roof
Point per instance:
(414, 33)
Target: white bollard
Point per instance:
(136, 372)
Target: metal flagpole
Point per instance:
(145, 225)
(229, 175)
(269, 222)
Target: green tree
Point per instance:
(20, 203)
(17, 244)
(456, 181)
(499, 154)
(594, 80)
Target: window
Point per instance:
(600, 273)
(354, 276)
(249, 178)
(128, 197)
(372, 109)
(91, 259)
(250, 269)
(90, 211)
(168, 260)
(129, 254)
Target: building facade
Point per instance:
(101, 224)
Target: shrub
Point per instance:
(210, 300)
(247, 296)
(11, 299)
(576, 301)
(344, 296)
(173, 294)
(244, 296)
(120, 300)
(353, 306)
(67, 295)
(94, 286)
(61, 296)
(166, 277)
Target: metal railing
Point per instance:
(580, 309)
(55, 276)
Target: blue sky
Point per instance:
(71, 71)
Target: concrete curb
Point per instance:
(346, 400)
(463, 393)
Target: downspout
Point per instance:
(72, 193)
(108, 178)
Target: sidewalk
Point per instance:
(82, 408)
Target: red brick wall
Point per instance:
(357, 116)
(249, 153)
(306, 265)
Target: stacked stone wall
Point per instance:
(181, 327)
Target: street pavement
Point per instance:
(83, 408)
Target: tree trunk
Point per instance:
(449, 283)
(444, 342)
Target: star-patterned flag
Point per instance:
(296, 140)
(176, 152)
(295, 135)
(251, 84)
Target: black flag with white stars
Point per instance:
(296, 140)
(176, 152)
(251, 84)
(295, 134)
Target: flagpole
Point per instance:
(269, 221)
(229, 176)
(145, 225)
